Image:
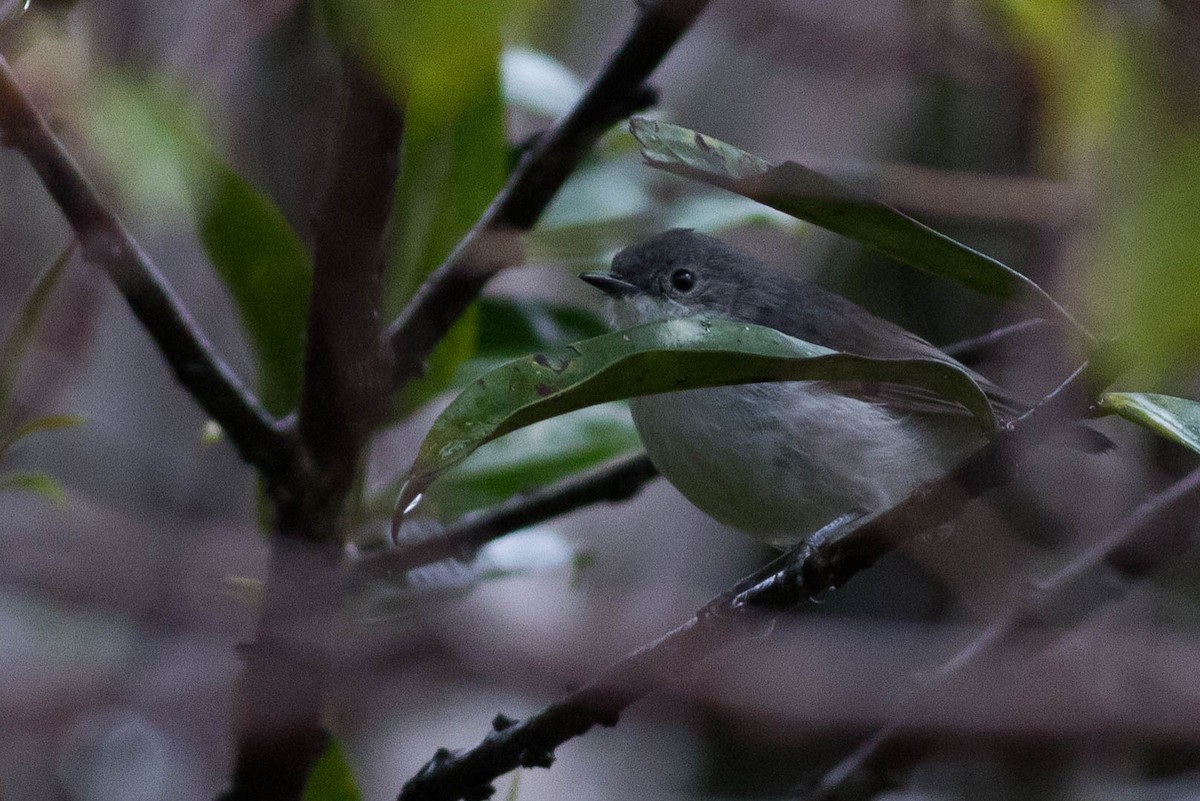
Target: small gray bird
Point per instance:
(783, 460)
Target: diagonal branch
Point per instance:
(616, 482)
(1129, 538)
(618, 91)
(804, 572)
(107, 244)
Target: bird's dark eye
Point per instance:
(683, 280)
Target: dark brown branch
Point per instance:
(616, 482)
(804, 572)
(345, 386)
(346, 371)
(618, 91)
(871, 756)
(108, 245)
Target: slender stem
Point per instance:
(966, 350)
(345, 386)
(107, 244)
(616, 92)
(804, 572)
(611, 483)
(1127, 537)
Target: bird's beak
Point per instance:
(610, 285)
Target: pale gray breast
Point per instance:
(781, 460)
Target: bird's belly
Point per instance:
(779, 460)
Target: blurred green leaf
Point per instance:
(1122, 123)
(157, 142)
(1176, 419)
(452, 167)
(595, 242)
(511, 327)
(39, 483)
(330, 778)
(52, 422)
(29, 313)
(603, 190)
(537, 82)
(651, 358)
(815, 198)
(432, 54)
(268, 271)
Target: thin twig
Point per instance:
(107, 244)
(611, 483)
(618, 91)
(345, 385)
(966, 350)
(1143, 523)
(804, 572)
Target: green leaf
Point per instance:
(452, 167)
(1176, 419)
(52, 422)
(537, 82)
(330, 778)
(652, 358)
(820, 200)
(156, 139)
(16, 343)
(534, 456)
(268, 272)
(511, 327)
(39, 483)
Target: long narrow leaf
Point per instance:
(20, 335)
(808, 195)
(54, 422)
(652, 358)
(1176, 419)
(39, 483)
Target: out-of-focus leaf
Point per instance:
(820, 200)
(452, 166)
(1176, 419)
(651, 358)
(511, 327)
(711, 213)
(596, 242)
(246, 590)
(530, 551)
(534, 456)
(537, 82)
(607, 190)
(20, 335)
(158, 143)
(330, 778)
(52, 422)
(588, 243)
(388, 597)
(40, 483)
(268, 271)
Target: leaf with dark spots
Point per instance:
(652, 358)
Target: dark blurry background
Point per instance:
(1062, 137)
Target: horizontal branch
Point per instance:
(611, 483)
(1130, 535)
(107, 244)
(618, 91)
(805, 572)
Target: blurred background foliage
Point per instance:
(1059, 135)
